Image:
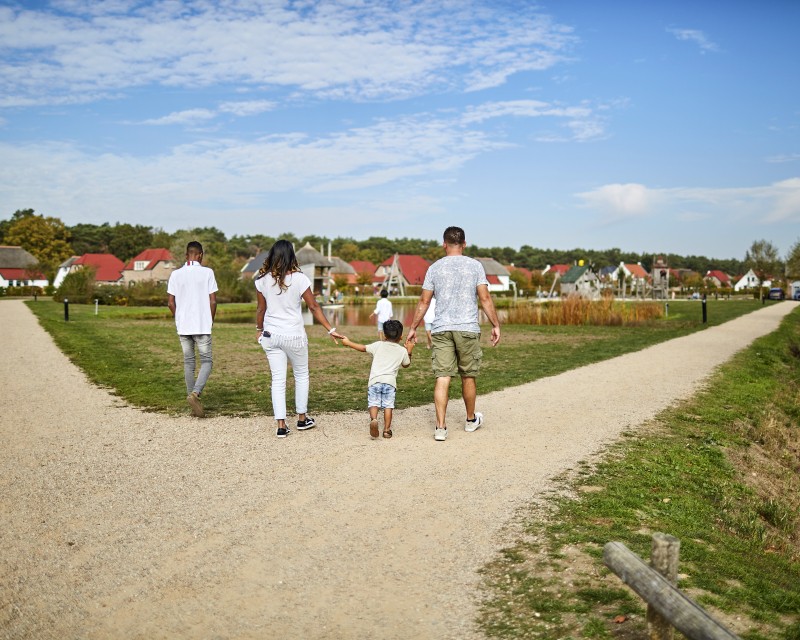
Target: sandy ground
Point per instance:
(116, 523)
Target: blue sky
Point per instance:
(668, 126)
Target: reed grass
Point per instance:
(579, 311)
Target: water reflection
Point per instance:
(358, 316)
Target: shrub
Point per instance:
(147, 294)
(78, 286)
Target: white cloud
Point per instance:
(784, 157)
(774, 203)
(696, 36)
(620, 200)
(353, 49)
(187, 117)
(247, 107)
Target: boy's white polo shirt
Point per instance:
(191, 285)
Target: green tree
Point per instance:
(47, 239)
(793, 261)
(5, 225)
(130, 240)
(762, 258)
(520, 279)
(91, 238)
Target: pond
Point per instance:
(344, 316)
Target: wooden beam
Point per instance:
(681, 611)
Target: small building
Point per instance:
(316, 267)
(631, 275)
(498, 276)
(363, 266)
(557, 269)
(342, 269)
(151, 265)
(108, 268)
(410, 270)
(660, 278)
(748, 281)
(582, 281)
(18, 268)
(718, 279)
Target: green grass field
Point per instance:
(719, 472)
(135, 353)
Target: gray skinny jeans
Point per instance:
(203, 343)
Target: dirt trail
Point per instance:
(124, 524)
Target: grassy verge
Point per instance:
(719, 472)
(134, 352)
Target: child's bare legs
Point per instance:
(373, 422)
(387, 423)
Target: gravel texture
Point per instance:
(116, 523)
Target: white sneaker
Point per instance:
(474, 425)
(440, 434)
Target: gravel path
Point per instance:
(124, 524)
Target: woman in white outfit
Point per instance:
(281, 287)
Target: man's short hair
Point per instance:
(194, 247)
(393, 329)
(454, 235)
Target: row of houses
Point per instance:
(18, 268)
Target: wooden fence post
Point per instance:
(681, 611)
(664, 559)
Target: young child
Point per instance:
(383, 311)
(387, 357)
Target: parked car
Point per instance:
(776, 293)
(797, 294)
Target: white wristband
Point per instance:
(331, 330)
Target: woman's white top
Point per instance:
(284, 317)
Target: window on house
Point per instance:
(140, 265)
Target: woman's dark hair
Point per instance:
(384, 293)
(280, 262)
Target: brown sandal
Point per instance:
(373, 428)
(387, 433)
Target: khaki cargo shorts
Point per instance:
(456, 353)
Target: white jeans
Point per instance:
(278, 357)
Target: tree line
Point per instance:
(52, 242)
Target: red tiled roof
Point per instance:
(20, 274)
(560, 269)
(493, 279)
(525, 272)
(363, 266)
(636, 270)
(153, 257)
(719, 275)
(109, 267)
(412, 267)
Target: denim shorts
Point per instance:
(381, 395)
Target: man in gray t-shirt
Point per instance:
(458, 282)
